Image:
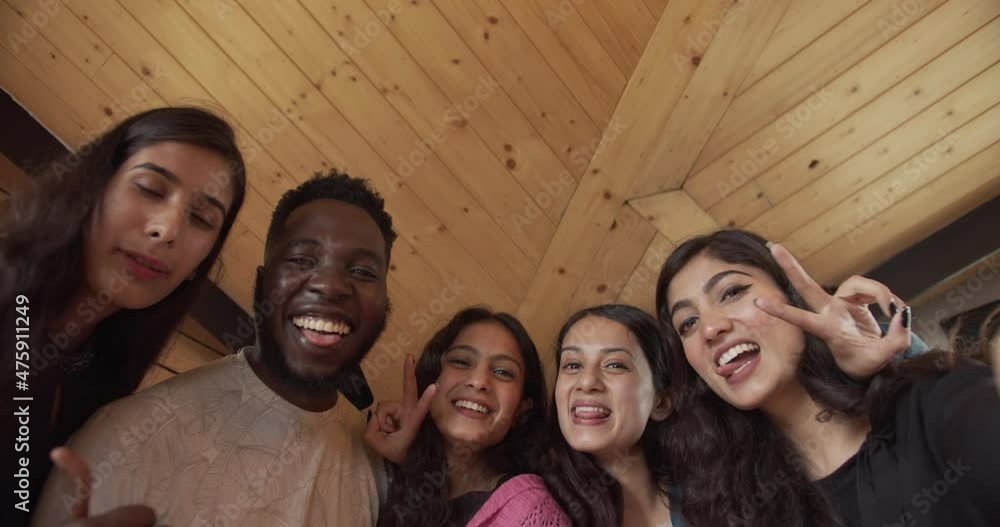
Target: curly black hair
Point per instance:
(339, 186)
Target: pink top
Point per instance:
(522, 501)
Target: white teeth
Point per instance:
(322, 324)
(735, 351)
(591, 409)
(472, 406)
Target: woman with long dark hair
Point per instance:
(773, 424)
(474, 461)
(105, 257)
(610, 422)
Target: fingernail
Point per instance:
(769, 244)
(892, 308)
(906, 317)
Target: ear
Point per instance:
(662, 408)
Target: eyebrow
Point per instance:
(170, 176)
(705, 289)
(611, 349)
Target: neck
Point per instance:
(467, 470)
(823, 445)
(310, 400)
(643, 503)
(72, 326)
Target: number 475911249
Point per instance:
(22, 332)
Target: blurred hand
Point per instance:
(78, 472)
(395, 424)
(843, 319)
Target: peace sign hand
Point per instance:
(843, 319)
(395, 425)
(76, 468)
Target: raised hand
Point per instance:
(843, 319)
(395, 425)
(78, 472)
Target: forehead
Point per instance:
(334, 222)
(600, 332)
(490, 338)
(196, 168)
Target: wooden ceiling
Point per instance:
(544, 155)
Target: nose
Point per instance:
(714, 325)
(589, 381)
(330, 281)
(479, 378)
(164, 225)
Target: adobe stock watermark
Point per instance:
(562, 12)
(564, 181)
(698, 44)
(901, 15)
(33, 22)
(959, 297)
(456, 116)
(387, 353)
(915, 168)
(756, 158)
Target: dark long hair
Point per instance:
(724, 457)
(42, 243)
(425, 465)
(590, 495)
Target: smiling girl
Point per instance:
(610, 420)
(471, 463)
(783, 418)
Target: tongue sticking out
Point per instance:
(741, 360)
(321, 340)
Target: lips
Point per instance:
(144, 267)
(474, 408)
(322, 330)
(589, 412)
(736, 357)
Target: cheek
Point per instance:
(510, 397)
(695, 355)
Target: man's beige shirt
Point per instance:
(216, 447)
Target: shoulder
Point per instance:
(948, 402)
(160, 403)
(963, 379)
(522, 500)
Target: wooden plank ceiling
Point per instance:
(544, 155)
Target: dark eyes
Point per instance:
(365, 273)
(734, 291)
(301, 262)
(503, 373)
(463, 363)
(576, 366)
(151, 193)
(306, 262)
(729, 293)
